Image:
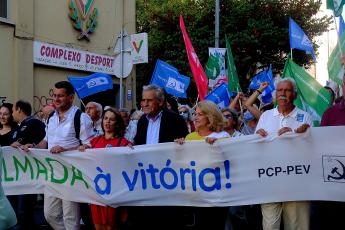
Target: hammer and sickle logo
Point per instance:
(336, 174)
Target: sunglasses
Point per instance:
(183, 112)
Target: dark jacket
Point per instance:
(172, 127)
(30, 131)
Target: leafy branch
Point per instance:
(92, 22)
(73, 14)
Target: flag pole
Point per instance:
(336, 28)
(196, 102)
(291, 53)
(240, 102)
(82, 102)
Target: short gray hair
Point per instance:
(160, 93)
(288, 79)
(98, 106)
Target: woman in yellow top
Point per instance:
(209, 125)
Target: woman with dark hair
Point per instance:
(7, 124)
(231, 122)
(114, 129)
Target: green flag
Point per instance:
(233, 83)
(335, 68)
(311, 96)
(336, 6)
(213, 66)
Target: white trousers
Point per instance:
(295, 215)
(61, 214)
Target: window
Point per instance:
(3, 9)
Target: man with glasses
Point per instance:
(62, 136)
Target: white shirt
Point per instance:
(219, 135)
(153, 127)
(97, 129)
(271, 121)
(62, 132)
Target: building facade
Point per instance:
(77, 29)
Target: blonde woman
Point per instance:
(209, 125)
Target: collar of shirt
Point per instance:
(98, 124)
(67, 114)
(25, 120)
(153, 119)
(291, 114)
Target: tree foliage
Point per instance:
(258, 31)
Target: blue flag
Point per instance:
(86, 86)
(220, 96)
(341, 26)
(299, 40)
(168, 77)
(264, 76)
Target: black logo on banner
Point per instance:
(333, 168)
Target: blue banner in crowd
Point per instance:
(220, 96)
(264, 76)
(299, 40)
(168, 77)
(86, 86)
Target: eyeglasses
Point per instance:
(228, 116)
(183, 112)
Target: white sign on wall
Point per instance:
(140, 48)
(59, 56)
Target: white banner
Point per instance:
(54, 55)
(236, 171)
(140, 53)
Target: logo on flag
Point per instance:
(299, 40)
(175, 84)
(168, 77)
(95, 83)
(220, 96)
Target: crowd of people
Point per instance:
(62, 126)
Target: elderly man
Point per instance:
(157, 125)
(283, 119)
(94, 110)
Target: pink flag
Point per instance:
(199, 75)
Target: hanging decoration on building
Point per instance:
(83, 18)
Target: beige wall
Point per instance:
(48, 21)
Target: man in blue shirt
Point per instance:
(30, 131)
